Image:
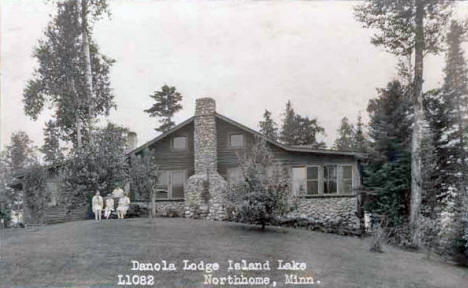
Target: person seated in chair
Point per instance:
(97, 206)
(109, 207)
(122, 209)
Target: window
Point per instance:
(233, 175)
(236, 140)
(178, 180)
(299, 180)
(305, 180)
(171, 184)
(179, 143)
(312, 180)
(162, 189)
(346, 179)
(329, 179)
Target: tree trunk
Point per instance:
(153, 204)
(87, 61)
(79, 137)
(416, 178)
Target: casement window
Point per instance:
(312, 180)
(326, 179)
(171, 184)
(233, 175)
(305, 180)
(299, 180)
(236, 140)
(346, 184)
(179, 143)
(329, 179)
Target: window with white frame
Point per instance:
(312, 180)
(179, 143)
(171, 184)
(329, 179)
(236, 140)
(299, 180)
(346, 179)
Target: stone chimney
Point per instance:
(205, 136)
(206, 188)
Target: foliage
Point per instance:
(20, 152)
(344, 142)
(51, 149)
(167, 103)
(101, 166)
(446, 112)
(390, 122)
(394, 24)
(299, 130)
(18, 155)
(60, 80)
(403, 28)
(268, 127)
(262, 194)
(388, 171)
(35, 192)
(360, 141)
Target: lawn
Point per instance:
(90, 254)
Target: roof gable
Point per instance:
(303, 149)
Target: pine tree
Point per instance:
(405, 28)
(287, 134)
(388, 172)
(268, 127)
(447, 113)
(299, 130)
(360, 141)
(167, 104)
(20, 152)
(61, 78)
(306, 132)
(51, 147)
(344, 142)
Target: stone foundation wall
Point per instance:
(331, 214)
(163, 208)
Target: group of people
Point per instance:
(98, 204)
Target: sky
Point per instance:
(247, 55)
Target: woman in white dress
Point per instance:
(122, 209)
(97, 204)
(109, 207)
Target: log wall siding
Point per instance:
(227, 156)
(170, 159)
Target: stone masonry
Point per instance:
(206, 188)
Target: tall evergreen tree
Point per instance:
(51, 147)
(405, 28)
(389, 167)
(268, 127)
(20, 151)
(447, 113)
(360, 141)
(299, 130)
(62, 78)
(287, 134)
(307, 132)
(344, 142)
(167, 103)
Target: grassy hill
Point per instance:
(90, 254)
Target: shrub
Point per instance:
(262, 194)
